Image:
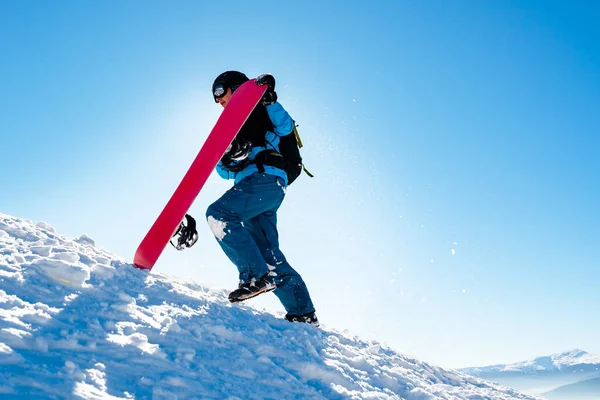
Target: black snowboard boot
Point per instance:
(252, 288)
(309, 318)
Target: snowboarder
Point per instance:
(244, 219)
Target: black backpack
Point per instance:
(252, 134)
(289, 147)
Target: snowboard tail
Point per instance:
(233, 117)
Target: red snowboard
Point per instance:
(243, 101)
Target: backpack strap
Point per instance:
(278, 160)
(268, 157)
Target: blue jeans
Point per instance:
(244, 221)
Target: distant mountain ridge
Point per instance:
(555, 362)
(571, 375)
(587, 389)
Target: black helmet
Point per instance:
(227, 80)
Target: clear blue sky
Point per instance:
(454, 213)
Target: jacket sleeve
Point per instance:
(224, 172)
(282, 122)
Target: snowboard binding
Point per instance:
(185, 235)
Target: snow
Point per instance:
(553, 362)
(575, 357)
(217, 227)
(78, 322)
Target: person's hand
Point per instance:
(270, 95)
(266, 79)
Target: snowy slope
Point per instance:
(77, 322)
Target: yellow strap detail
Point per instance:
(307, 173)
(297, 136)
(300, 145)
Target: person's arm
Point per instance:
(282, 122)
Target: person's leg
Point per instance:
(244, 201)
(291, 289)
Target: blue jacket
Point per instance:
(282, 125)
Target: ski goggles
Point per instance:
(219, 91)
